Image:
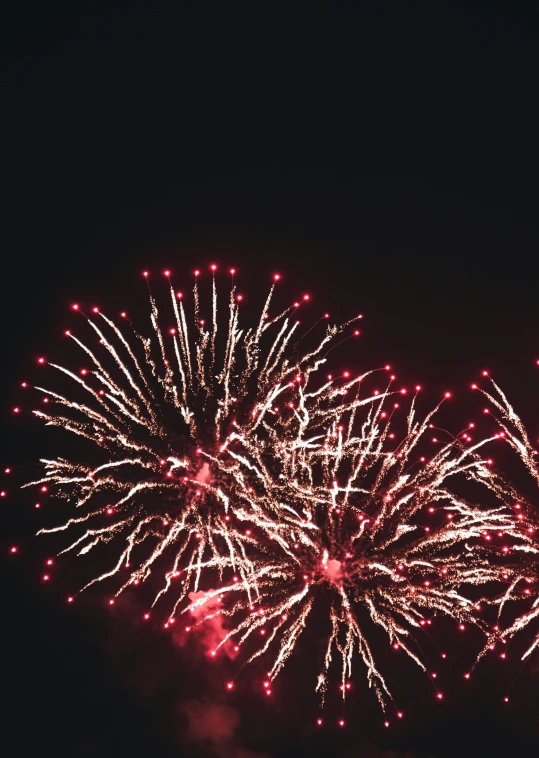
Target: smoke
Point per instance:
(210, 632)
(214, 726)
(333, 570)
(203, 476)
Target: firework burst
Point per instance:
(237, 478)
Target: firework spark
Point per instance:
(252, 485)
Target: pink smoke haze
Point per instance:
(211, 631)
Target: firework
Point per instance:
(395, 544)
(238, 479)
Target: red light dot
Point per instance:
(341, 722)
(145, 274)
(75, 306)
(95, 309)
(41, 360)
(466, 676)
(229, 685)
(44, 489)
(386, 723)
(447, 394)
(276, 277)
(484, 373)
(319, 722)
(13, 549)
(239, 298)
(49, 561)
(400, 714)
(70, 599)
(506, 699)
(166, 273)
(3, 493)
(306, 297)
(111, 601)
(24, 384)
(197, 272)
(439, 695)
(146, 616)
(46, 577)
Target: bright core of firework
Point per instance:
(252, 485)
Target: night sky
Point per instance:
(382, 156)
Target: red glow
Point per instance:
(319, 722)
(166, 273)
(232, 271)
(230, 685)
(41, 360)
(95, 309)
(46, 577)
(276, 277)
(239, 298)
(13, 549)
(70, 599)
(197, 273)
(439, 695)
(341, 722)
(145, 274)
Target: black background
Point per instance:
(381, 155)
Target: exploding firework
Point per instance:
(396, 542)
(238, 479)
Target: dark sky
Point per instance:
(383, 155)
